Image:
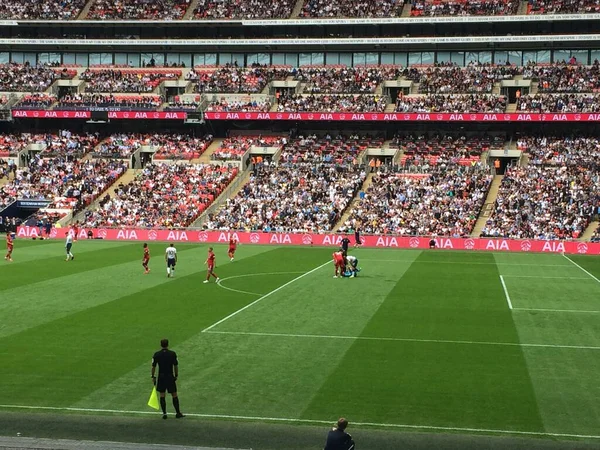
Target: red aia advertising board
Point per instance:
(216, 237)
(317, 116)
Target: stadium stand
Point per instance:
(352, 8)
(138, 9)
(233, 148)
(562, 6)
(234, 79)
(132, 81)
(475, 103)
(225, 105)
(243, 9)
(332, 103)
(464, 7)
(163, 195)
(565, 77)
(27, 78)
(445, 202)
(344, 80)
(109, 101)
(41, 10)
(565, 103)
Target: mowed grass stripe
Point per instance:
(27, 251)
(63, 361)
(436, 384)
(41, 302)
(88, 257)
(564, 380)
(220, 374)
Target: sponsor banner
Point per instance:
(317, 116)
(331, 240)
(32, 203)
(404, 117)
(59, 114)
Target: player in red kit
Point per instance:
(76, 230)
(338, 261)
(146, 259)
(232, 246)
(210, 263)
(9, 247)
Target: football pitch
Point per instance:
(444, 341)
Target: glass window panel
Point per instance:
(30, 58)
(172, 58)
(561, 55)
(153, 59)
(401, 59)
(318, 58)
(82, 59)
(387, 58)
(500, 57)
(16, 57)
(332, 58)
(372, 58)
(515, 57)
(135, 59)
(359, 59)
(68, 58)
(458, 58)
(121, 59)
(264, 59)
(43, 58)
(185, 59)
(224, 58)
(238, 58)
(544, 56)
(210, 59)
(95, 59)
(414, 58)
(443, 57)
(595, 55)
(278, 59)
(346, 59)
(304, 59)
(471, 57)
(581, 56)
(485, 57)
(530, 56)
(4, 57)
(427, 58)
(292, 59)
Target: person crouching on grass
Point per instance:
(210, 263)
(338, 439)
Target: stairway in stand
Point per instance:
(205, 157)
(488, 206)
(366, 184)
(589, 231)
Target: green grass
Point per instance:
(420, 340)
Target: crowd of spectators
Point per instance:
(562, 6)
(244, 9)
(563, 103)
(475, 103)
(182, 105)
(565, 77)
(352, 8)
(12, 144)
(444, 203)
(552, 150)
(67, 183)
(329, 149)
(138, 9)
(356, 103)
(62, 143)
(451, 79)
(41, 10)
(28, 78)
(596, 236)
(110, 102)
(163, 195)
(36, 101)
(233, 148)
(234, 79)
(250, 105)
(166, 145)
(544, 202)
(464, 7)
(136, 81)
(423, 153)
(302, 197)
(345, 80)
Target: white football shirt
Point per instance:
(171, 252)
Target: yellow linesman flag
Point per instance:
(153, 400)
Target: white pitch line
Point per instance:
(549, 278)
(573, 262)
(464, 262)
(250, 275)
(558, 310)
(388, 339)
(264, 296)
(506, 293)
(311, 421)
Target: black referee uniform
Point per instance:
(168, 370)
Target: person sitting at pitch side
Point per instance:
(338, 439)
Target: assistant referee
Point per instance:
(168, 370)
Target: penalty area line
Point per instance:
(235, 313)
(506, 293)
(311, 421)
(577, 265)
